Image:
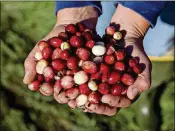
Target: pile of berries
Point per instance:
(78, 66)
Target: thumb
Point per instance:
(30, 72)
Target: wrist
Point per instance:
(87, 15)
(135, 25)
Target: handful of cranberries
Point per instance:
(79, 67)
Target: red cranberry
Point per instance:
(104, 78)
(72, 62)
(110, 50)
(109, 59)
(120, 54)
(84, 89)
(58, 84)
(58, 64)
(42, 44)
(104, 69)
(110, 30)
(132, 62)
(40, 77)
(90, 44)
(71, 29)
(88, 35)
(34, 86)
(103, 88)
(78, 33)
(72, 93)
(114, 77)
(48, 72)
(117, 89)
(55, 42)
(76, 41)
(83, 53)
(47, 53)
(89, 67)
(81, 27)
(94, 97)
(127, 79)
(56, 53)
(96, 76)
(137, 69)
(119, 66)
(130, 70)
(65, 54)
(63, 36)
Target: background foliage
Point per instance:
(22, 25)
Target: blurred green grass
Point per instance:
(22, 25)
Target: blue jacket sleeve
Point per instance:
(68, 4)
(150, 10)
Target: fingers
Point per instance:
(30, 63)
(101, 109)
(116, 101)
(143, 81)
(61, 98)
(72, 104)
(29, 67)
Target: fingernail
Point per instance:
(26, 74)
(135, 92)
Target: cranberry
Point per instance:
(48, 72)
(72, 93)
(83, 53)
(65, 54)
(84, 89)
(34, 86)
(42, 44)
(120, 54)
(63, 36)
(132, 62)
(55, 42)
(78, 33)
(104, 78)
(117, 89)
(114, 77)
(76, 41)
(71, 29)
(47, 52)
(88, 35)
(56, 53)
(81, 27)
(127, 79)
(103, 88)
(58, 84)
(137, 69)
(58, 64)
(110, 30)
(109, 59)
(119, 66)
(90, 44)
(96, 76)
(72, 62)
(94, 97)
(40, 77)
(104, 69)
(110, 50)
(89, 67)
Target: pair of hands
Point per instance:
(136, 27)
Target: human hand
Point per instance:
(87, 15)
(136, 27)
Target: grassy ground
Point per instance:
(22, 25)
